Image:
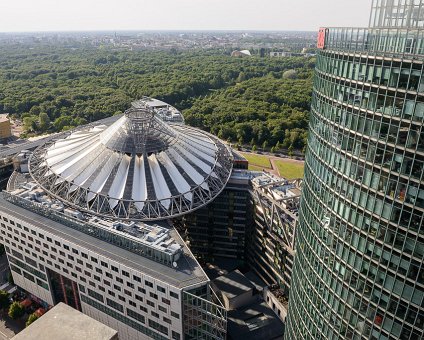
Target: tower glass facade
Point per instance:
(358, 270)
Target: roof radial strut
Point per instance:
(141, 167)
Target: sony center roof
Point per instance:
(141, 167)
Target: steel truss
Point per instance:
(78, 196)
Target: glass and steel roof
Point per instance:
(140, 167)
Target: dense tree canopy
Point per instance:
(52, 89)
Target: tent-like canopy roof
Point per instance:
(140, 167)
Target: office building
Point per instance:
(90, 224)
(5, 127)
(358, 271)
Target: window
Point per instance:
(158, 327)
(104, 264)
(141, 290)
(135, 315)
(84, 255)
(93, 259)
(150, 303)
(115, 305)
(111, 293)
(106, 282)
(167, 320)
(117, 287)
(166, 301)
(136, 278)
(156, 315)
(70, 257)
(125, 273)
(148, 284)
(160, 289)
(75, 251)
(138, 297)
(119, 280)
(99, 270)
(174, 295)
(175, 315)
(132, 303)
(95, 295)
(66, 247)
(162, 309)
(144, 309)
(121, 298)
(129, 284)
(154, 296)
(115, 269)
(127, 292)
(176, 336)
(109, 275)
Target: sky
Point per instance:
(275, 15)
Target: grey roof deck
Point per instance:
(188, 272)
(65, 323)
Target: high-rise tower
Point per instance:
(358, 271)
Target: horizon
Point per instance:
(185, 15)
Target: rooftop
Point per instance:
(4, 117)
(233, 284)
(139, 168)
(256, 321)
(66, 323)
(188, 272)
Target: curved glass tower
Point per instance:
(358, 271)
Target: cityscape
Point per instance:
(202, 184)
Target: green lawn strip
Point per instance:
(258, 160)
(289, 170)
(255, 167)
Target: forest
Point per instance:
(262, 102)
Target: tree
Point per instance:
(44, 121)
(254, 148)
(290, 74)
(278, 145)
(273, 149)
(16, 310)
(4, 299)
(264, 145)
(291, 150)
(31, 319)
(30, 123)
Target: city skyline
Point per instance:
(303, 15)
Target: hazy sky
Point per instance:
(70, 15)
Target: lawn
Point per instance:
(260, 161)
(289, 170)
(255, 168)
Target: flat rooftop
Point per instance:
(66, 323)
(186, 274)
(254, 322)
(233, 284)
(4, 117)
